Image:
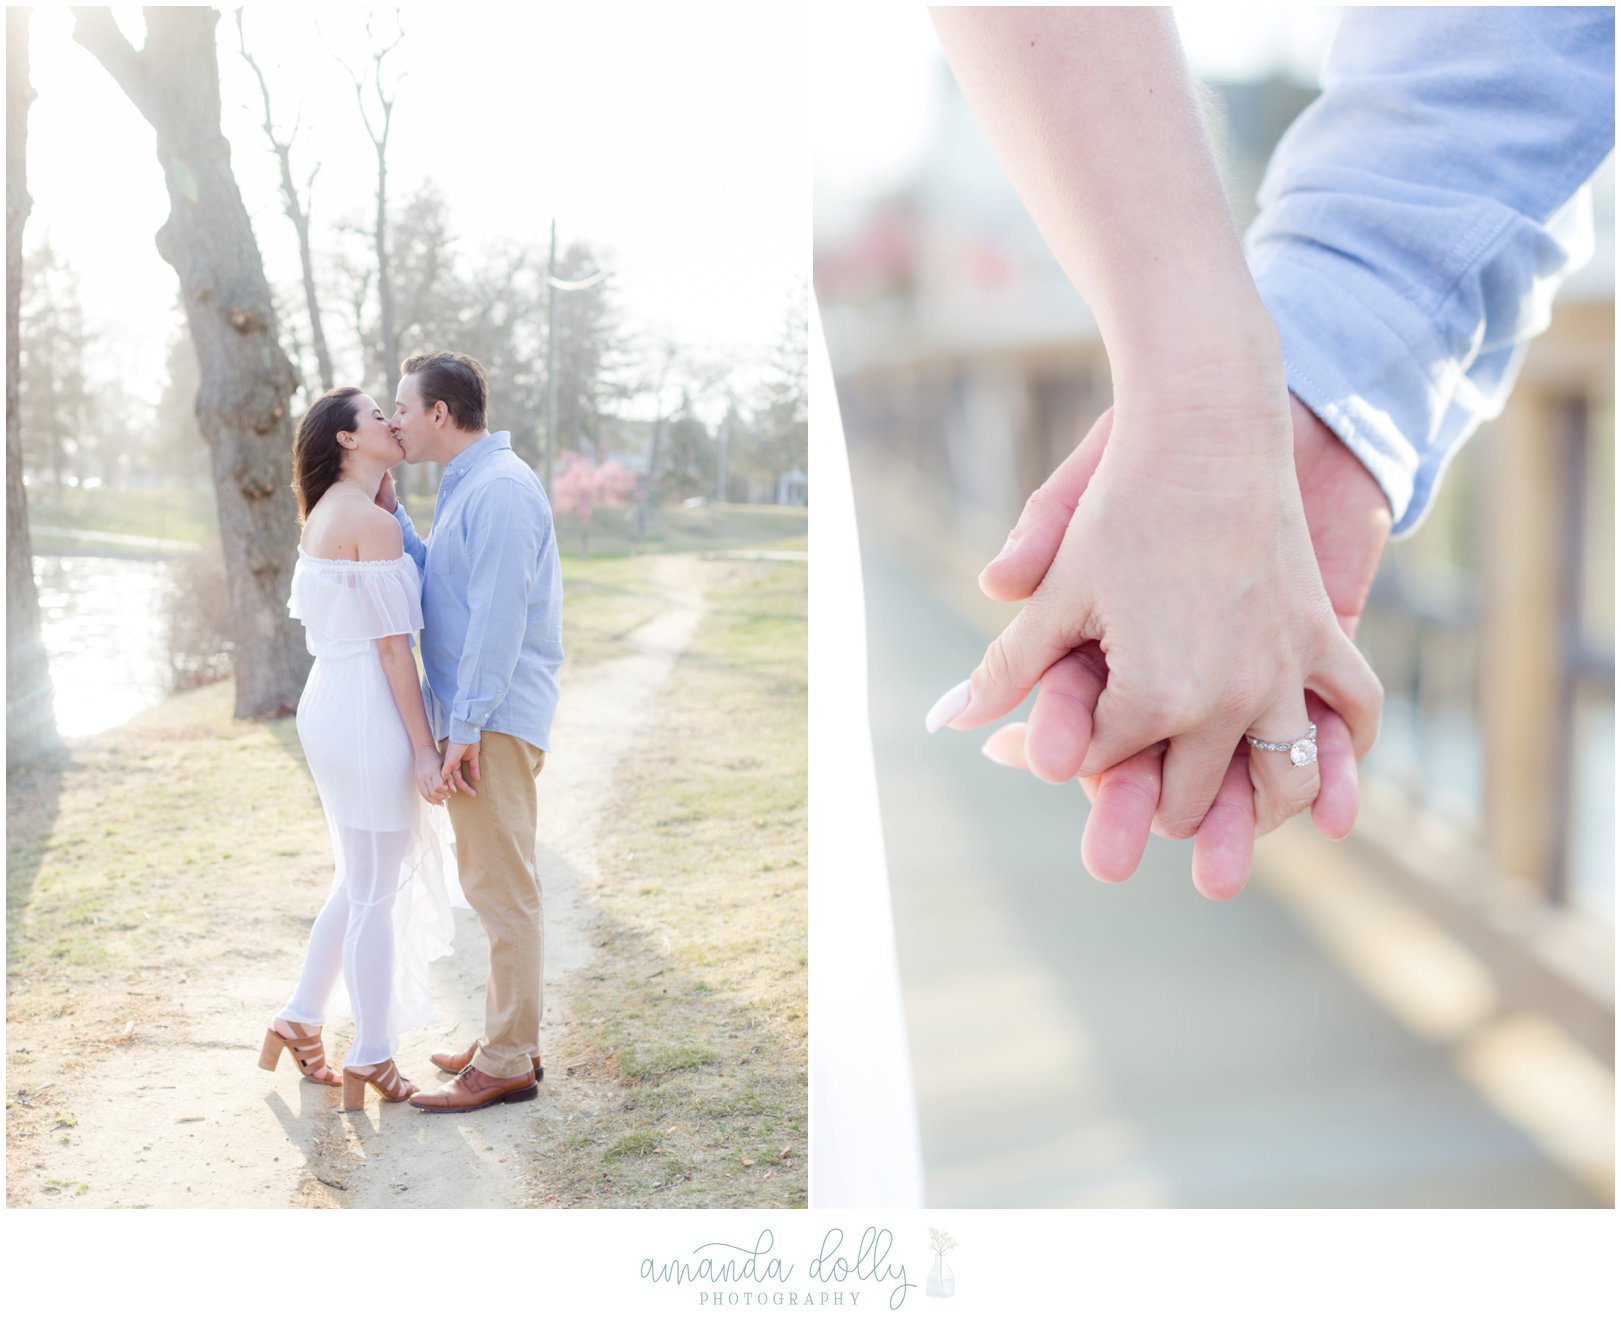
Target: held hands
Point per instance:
(1257, 602)
(430, 781)
(1179, 605)
(438, 776)
(458, 754)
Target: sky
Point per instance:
(878, 77)
(677, 139)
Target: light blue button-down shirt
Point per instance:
(1419, 216)
(492, 598)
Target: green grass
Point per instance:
(604, 601)
(677, 530)
(697, 1009)
(632, 1145)
(608, 593)
(188, 515)
(651, 1064)
(184, 515)
(714, 528)
(135, 848)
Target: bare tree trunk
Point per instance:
(30, 723)
(247, 381)
(644, 510)
(57, 442)
(551, 357)
(385, 277)
(297, 210)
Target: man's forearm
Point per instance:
(1416, 221)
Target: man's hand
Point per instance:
(458, 754)
(1189, 560)
(386, 498)
(1349, 522)
(430, 778)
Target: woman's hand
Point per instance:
(1349, 521)
(1189, 562)
(429, 780)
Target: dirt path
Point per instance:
(177, 1114)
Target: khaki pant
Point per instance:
(495, 853)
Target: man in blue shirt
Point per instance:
(492, 641)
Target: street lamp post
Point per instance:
(554, 286)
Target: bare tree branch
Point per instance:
(264, 87)
(388, 344)
(385, 101)
(296, 209)
(97, 32)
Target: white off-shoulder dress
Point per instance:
(388, 913)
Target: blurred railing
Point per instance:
(968, 369)
(1493, 630)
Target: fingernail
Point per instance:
(1005, 747)
(947, 708)
(1007, 549)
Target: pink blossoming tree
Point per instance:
(582, 486)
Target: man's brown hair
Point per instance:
(455, 380)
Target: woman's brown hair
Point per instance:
(317, 455)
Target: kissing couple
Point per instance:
(485, 592)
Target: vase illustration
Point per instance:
(942, 1282)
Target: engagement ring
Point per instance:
(1302, 751)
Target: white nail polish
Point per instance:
(1007, 548)
(994, 752)
(947, 708)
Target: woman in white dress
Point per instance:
(366, 738)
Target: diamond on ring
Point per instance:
(1302, 751)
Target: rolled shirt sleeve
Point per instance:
(1418, 218)
(507, 530)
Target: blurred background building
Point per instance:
(1424, 1015)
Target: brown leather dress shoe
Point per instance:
(456, 1062)
(473, 1089)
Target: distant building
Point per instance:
(792, 489)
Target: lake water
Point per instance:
(104, 622)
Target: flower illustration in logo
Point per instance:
(942, 1282)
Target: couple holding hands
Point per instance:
(485, 592)
(1193, 573)
(1195, 570)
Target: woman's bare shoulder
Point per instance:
(347, 525)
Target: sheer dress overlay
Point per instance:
(388, 912)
